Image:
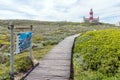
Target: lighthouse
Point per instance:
(91, 15)
(91, 18)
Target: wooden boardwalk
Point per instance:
(56, 64)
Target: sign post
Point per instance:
(12, 52)
(26, 43)
(31, 44)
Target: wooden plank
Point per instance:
(56, 64)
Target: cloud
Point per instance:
(60, 10)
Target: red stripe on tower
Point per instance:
(91, 15)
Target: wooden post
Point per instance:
(31, 56)
(12, 52)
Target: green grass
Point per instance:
(22, 63)
(97, 55)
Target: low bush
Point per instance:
(98, 52)
(21, 65)
(49, 42)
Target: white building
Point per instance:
(117, 24)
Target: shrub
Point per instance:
(99, 51)
(23, 64)
(49, 42)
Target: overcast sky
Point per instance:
(60, 10)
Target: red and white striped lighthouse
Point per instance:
(91, 18)
(91, 15)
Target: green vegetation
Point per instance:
(22, 64)
(97, 55)
(45, 36)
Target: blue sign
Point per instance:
(23, 41)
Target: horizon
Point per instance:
(52, 10)
(53, 21)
